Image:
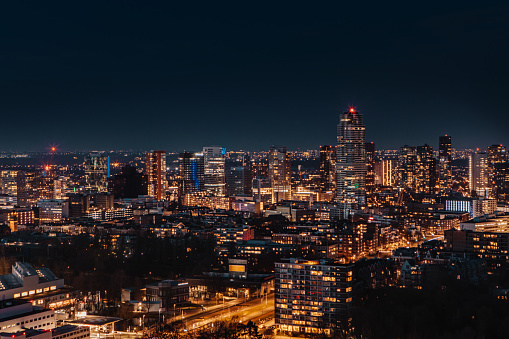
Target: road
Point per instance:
(254, 310)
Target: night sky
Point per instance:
(144, 75)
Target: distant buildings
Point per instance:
(214, 170)
(328, 167)
(156, 174)
(478, 174)
(191, 172)
(280, 173)
(239, 178)
(97, 172)
(351, 164)
(444, 165)
(128, 184)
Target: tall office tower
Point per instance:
(213, 170)
(385, 172)
(97, 172)
(59, 187)
(280, 174)
(370, 169)
(502, 181)
(478, 174)
(444, 165)
(425, 173)
(312, 295)
(156, 174)
(128, 184)
(497, 154)
(191, 172)
(407, 162)
(239, 178)
(328, 167)
(8, 180)
(351, 164)
(27, 192)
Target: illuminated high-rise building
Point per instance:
(239, 178)
(478, 174)
(191, 172)
(425, 170)
(328, 167)
(214, 181)
(501, 171)
(351, 164)
(280, 173)
(312, 296)
(8, 180)
(444, 165)
(407, 163)
(156, 174)
(97, 172)
(27, 193)
(385, 172)
(370, 169)
(497, 154)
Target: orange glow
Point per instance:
(47, 167)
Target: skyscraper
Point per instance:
(407, 163)
(444, 165)
(351, 164)
(425, 174)
(97, 172)
(370, 170)
(280, 173)
(497, 154)
(328, 167)
(191, 172)
(239, 178)
(213, 170)
(478, 174)
(156, 174)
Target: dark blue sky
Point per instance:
(149, 75)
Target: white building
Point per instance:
(27, 281)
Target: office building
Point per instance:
(191, 173)
(280, 173)
(128, 184)
(312, 295)
(8, 182)
(501, 179)
(425, 170)
(370, 169)
(385, 172)
(214, 181)
(28, 194)
(497, 154)
(478, 174)
(407, 164)
(52, 210)
(351, 164)
(239, 178)
(156, 174)
(79, 204)
(328, 167)
(97, 172)
(444, 165)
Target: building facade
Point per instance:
(351, 164)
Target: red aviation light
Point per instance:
(352, 110)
